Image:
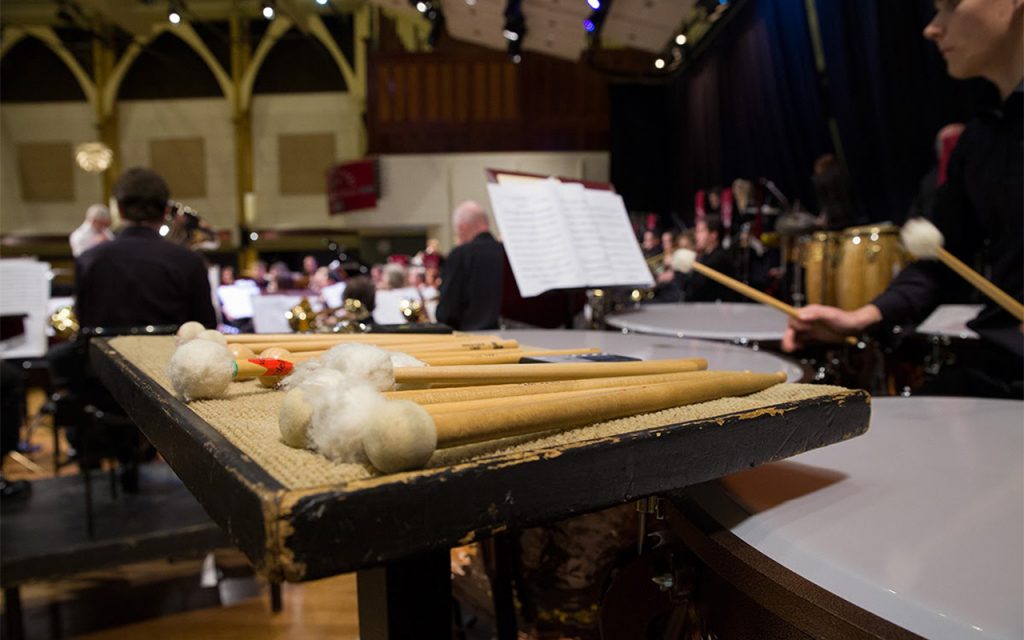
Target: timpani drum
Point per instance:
(868, 259)
(719, 355)
(920, 522)
(737, 322)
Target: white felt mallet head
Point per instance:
(401, 436)
(188, 331)
(357, 361)
(213, 336)
(295, 418)
(922, 238)
(201, 369)
(683, 260)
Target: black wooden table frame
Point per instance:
(400, 524)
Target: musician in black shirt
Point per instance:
(980, 208)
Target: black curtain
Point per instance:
(755, 97)
(890, 94)
(753, 105)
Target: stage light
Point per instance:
(681, 39)
(267, 9)
(421, 7)
(174, 10)
(659, 63)
(322, 3)
(592, 25)
(514, 30)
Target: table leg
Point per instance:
(407, 598)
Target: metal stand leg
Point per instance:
(12, 614)
(408, 598)
(276, 602)
(500, 554)
(90, 521)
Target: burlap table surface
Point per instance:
(247, 418)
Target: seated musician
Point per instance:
(708, 234)
(980, 206)
(471, 278)
(135, 280)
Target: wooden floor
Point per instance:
(165, 597)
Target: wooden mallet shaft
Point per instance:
(506, 356)
(478, 425)
(411, 348)
(754, 294)
(997, 295)
(501, 402)
(504, 373)
(380, 338)
(453, 395)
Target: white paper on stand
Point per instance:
(564, 236)
(25, 289)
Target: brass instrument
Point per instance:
(351, 317)
(64, 323)
(413, 310)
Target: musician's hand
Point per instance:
(819, 323)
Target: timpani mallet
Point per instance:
(924, 240)
(508, 373)
(685, 260)
(404, 435)
(451, 395)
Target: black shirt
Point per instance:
(980, 209)
(700, 288)
(139, 279)
(471, 285)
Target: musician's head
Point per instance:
(362, 289)
(708, 233)
(142, 196)
(98, 216)
(469, 220)
(981, 38)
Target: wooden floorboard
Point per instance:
(92, 605)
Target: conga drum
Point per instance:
(868, 259)
(820, 253)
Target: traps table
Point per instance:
(299, 516)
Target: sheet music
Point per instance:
(25, 289)
(536, 236)
(564, 236)
(332, 294)
(236, 299)
(608, 216)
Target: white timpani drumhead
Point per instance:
(919, 521)
(734, 321)
(950, 320)
(719, 355)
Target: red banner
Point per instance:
(352, 186)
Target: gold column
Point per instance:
(103, 61)
(241, 53)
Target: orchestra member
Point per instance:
(139, 278)
(471, 278)
(93, 231)
(699, 288)
(981, 205)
